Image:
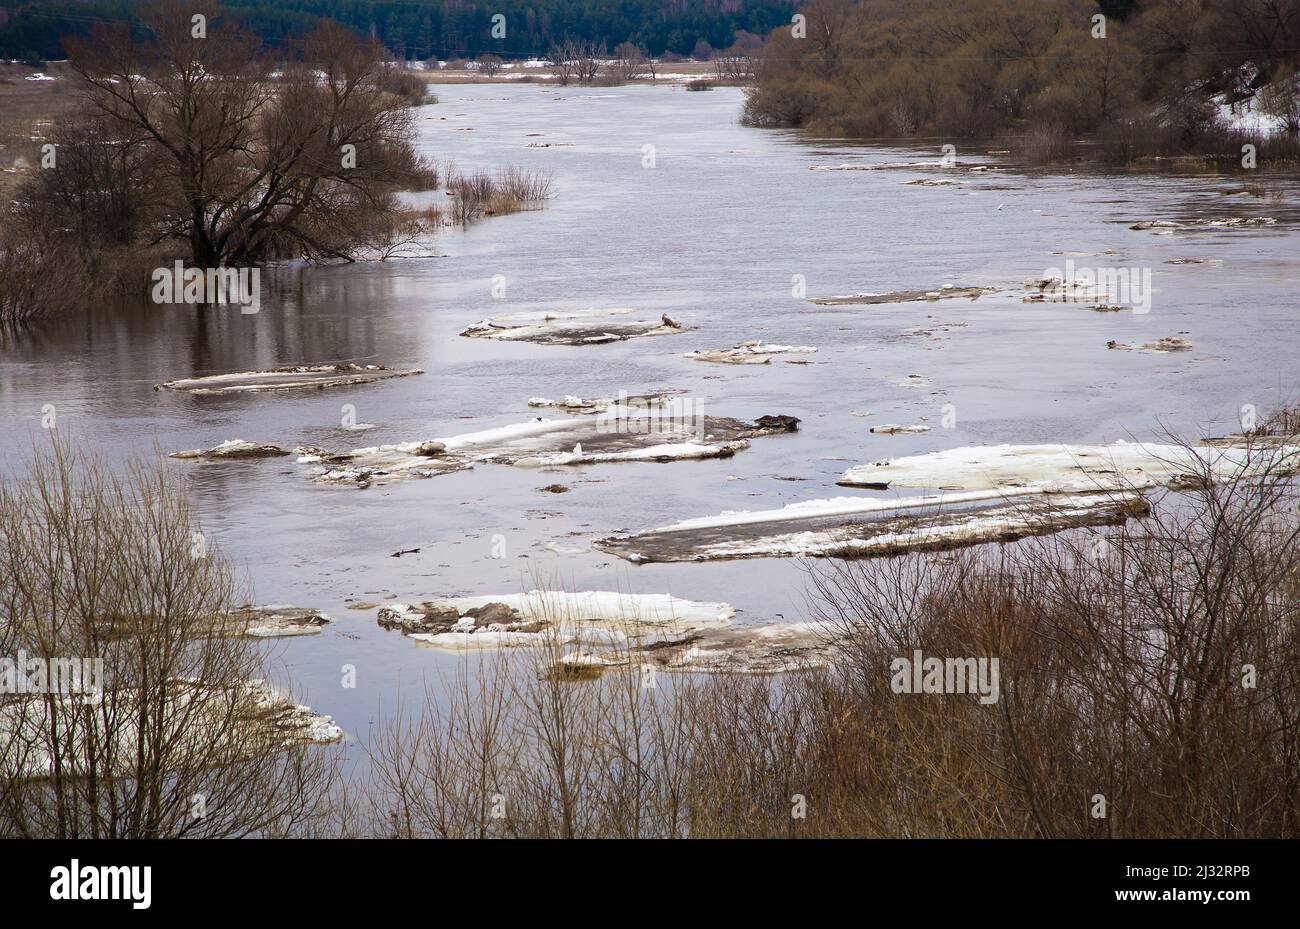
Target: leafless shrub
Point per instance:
(1150, 672)
(1046, 144)
(510, 190)
(490, 64)
(631, 63)
(734, 68)
(178, 744)
(408, 85)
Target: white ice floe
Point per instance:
(590, 327)
(287, 378)
(206, 723)
(574, 404)
(670, 431)
(233, 449)
(600, 606)
(276, 620)
(592, 618)
(946, 292)
(854, 527)
(669, 451)
(940, 164)
(1163, 346)
(467, 641)
(834, 506)
(1062, 468)
(1231, 222)
(752, 351)
(769, 648)
(896, 429)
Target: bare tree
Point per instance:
(251, 165)
(631, 63)
(589, 59)
(561, 63)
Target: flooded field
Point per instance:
(666, 206)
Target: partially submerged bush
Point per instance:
(508, 191)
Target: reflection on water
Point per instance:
(716, 234)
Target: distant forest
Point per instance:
(422, 29)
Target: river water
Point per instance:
(712, 229)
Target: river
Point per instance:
(712, 230)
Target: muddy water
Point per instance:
(713, 233)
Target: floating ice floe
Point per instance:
(853, 527)
(1170, 225)
(933, 331)
(588, 327)
(288, 377)
(204, 722)
(929, 182)
(1057, 290)
(896, 429)
(591, 617)
(233, 449)
(272, 621)
(620, 433)
(769, 648)
(938, 164)
(753, 351)
(572, 404)
(1062, 468)
(946, 292)
(380, 464)
(912, 380)
(1159, 347)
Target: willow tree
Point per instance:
(252, 154)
